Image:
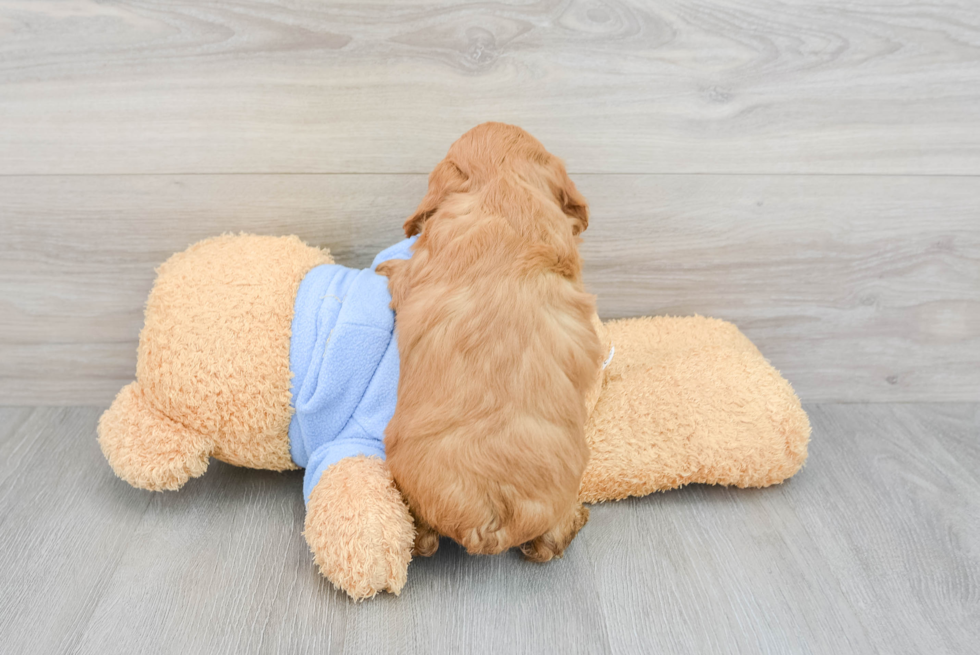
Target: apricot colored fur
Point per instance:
(497, 350)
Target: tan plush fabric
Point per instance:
(213, 363)
(359, 528)
(689, 400)
(148, 449)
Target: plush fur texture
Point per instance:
(358, 528)
(212, 373)
(689, 400)
(497, 350)
(147, 448)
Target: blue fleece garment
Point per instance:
(344, 358)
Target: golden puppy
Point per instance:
(497, 350)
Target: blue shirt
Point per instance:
(344, 358)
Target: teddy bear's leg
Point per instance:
(554, 542)
(359, 528)
(147, 449)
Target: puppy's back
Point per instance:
(498, 350)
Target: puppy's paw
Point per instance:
(554, 542)
(426, 540)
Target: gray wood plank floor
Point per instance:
(873, 547)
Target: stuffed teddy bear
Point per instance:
(261, 352)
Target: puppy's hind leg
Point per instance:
(426, 539)
(554, 542)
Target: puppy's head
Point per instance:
(489, 151)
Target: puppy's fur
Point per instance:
(497, 350)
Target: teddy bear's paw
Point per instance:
(146, 448)
(359, 528)
(554, 542)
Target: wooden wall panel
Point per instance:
(613, 86)
(858, 288)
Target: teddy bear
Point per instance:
(262, 352)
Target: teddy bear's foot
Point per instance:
(147, 449)
(554, 542)
(359, 528)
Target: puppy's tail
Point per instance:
(480, 541)
(505, 529)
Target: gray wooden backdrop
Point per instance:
(810, 171)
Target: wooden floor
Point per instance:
(873, 547)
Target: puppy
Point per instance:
(497, 350)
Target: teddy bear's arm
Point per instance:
(359, 528)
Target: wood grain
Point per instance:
(65, 530)
(858, 288)
(872, 547)
(613, 86)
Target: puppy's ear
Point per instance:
(445, 179)
(574, 204)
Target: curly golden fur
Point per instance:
(497, 350)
